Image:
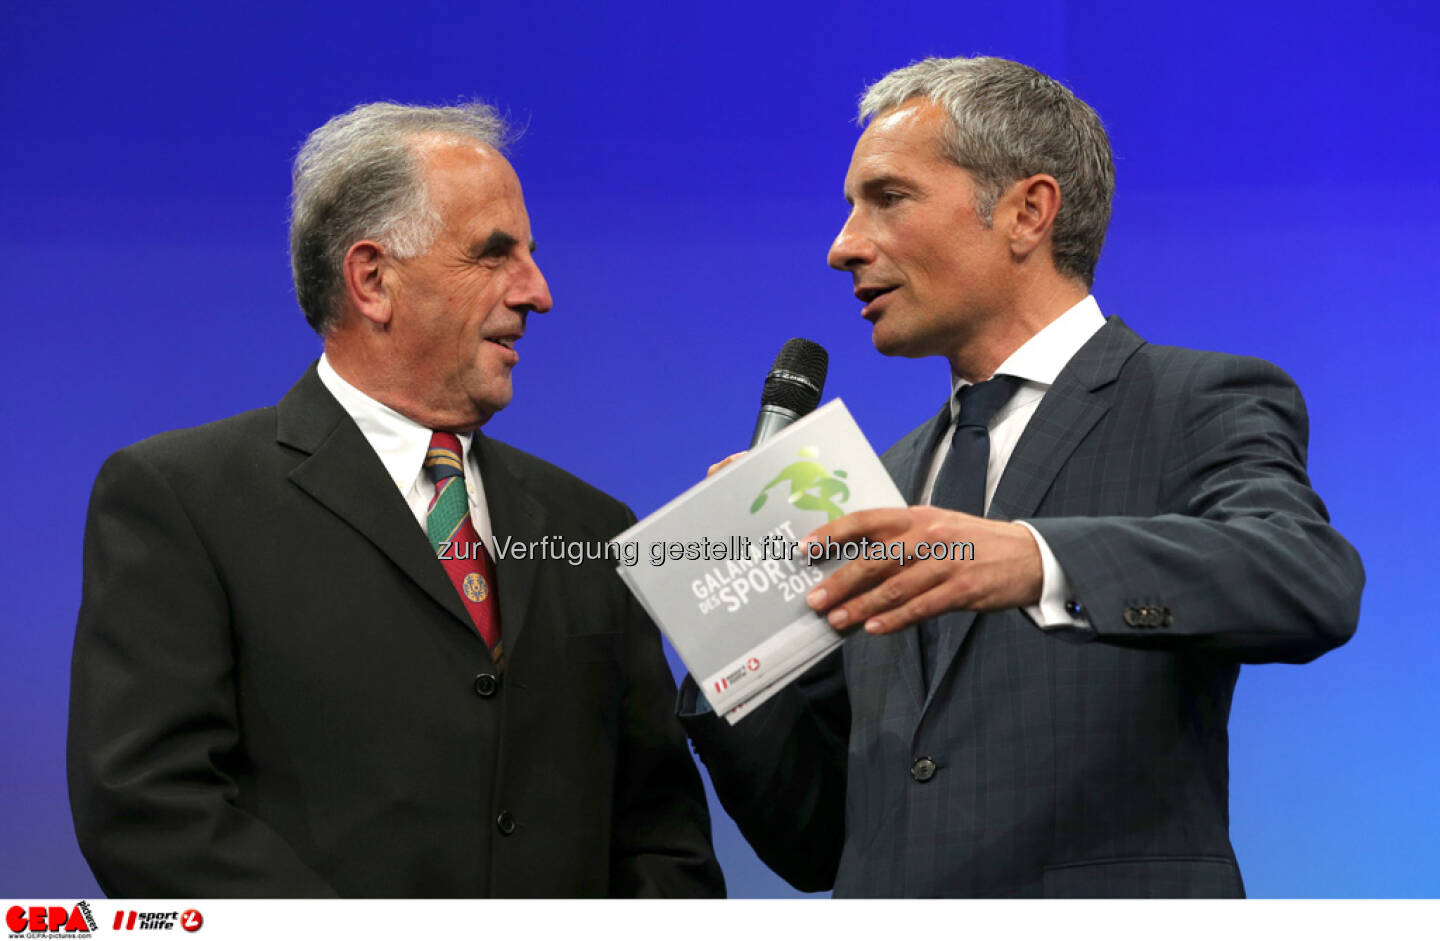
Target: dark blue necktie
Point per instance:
(961, 484)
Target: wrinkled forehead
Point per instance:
(468, 182)
(452, 161)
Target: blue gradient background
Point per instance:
(1277, 196)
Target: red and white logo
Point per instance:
(126, 920)
(738, 674)
(39, 920)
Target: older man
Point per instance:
(1050, 717)
(302, 665)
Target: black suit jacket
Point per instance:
(1171, 486)
(276, 690)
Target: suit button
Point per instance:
(505, 823)
(922, 770)
(486, 684)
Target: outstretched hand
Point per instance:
(934, 571)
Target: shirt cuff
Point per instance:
(1056, 609)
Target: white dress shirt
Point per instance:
(401, 443)
(1037, 363)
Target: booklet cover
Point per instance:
(717, 570)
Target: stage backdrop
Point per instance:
(1277, 196)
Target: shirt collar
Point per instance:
(1039, 359)
(399, 442)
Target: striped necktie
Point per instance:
(458, 545)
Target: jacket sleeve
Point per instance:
(780, 772)
(1243, 560)
(661, 837)
(153, 733)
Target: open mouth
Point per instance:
(506, 341)
(870, 294)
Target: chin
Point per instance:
(889, 344)
(486, 406)
(884, 341)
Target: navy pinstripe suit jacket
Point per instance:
(1090, 764)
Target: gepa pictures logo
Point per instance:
(37, 921)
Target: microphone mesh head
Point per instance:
(798, 357)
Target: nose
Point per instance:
(852, 248)
(530, 292)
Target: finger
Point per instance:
(850, 580)
(852, 526)
(725, 463)
(887, 598)
(926, 604)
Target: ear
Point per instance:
(1030, 207)
(366, 283)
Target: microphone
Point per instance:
(793, 387)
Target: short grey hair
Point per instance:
(359, 177)
(1008, 122)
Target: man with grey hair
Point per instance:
(1049, 717)
(305, 664)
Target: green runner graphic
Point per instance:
(812, 486)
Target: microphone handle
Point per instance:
(772, 418)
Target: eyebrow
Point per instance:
(875, 184)
(499, 242)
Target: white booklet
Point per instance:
(716, 567)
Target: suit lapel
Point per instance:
(344, 475)
(910, 458)
(1066, 414)
(516, 516)
(907, 464)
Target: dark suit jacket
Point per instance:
(1171, 486)
(276, 690)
